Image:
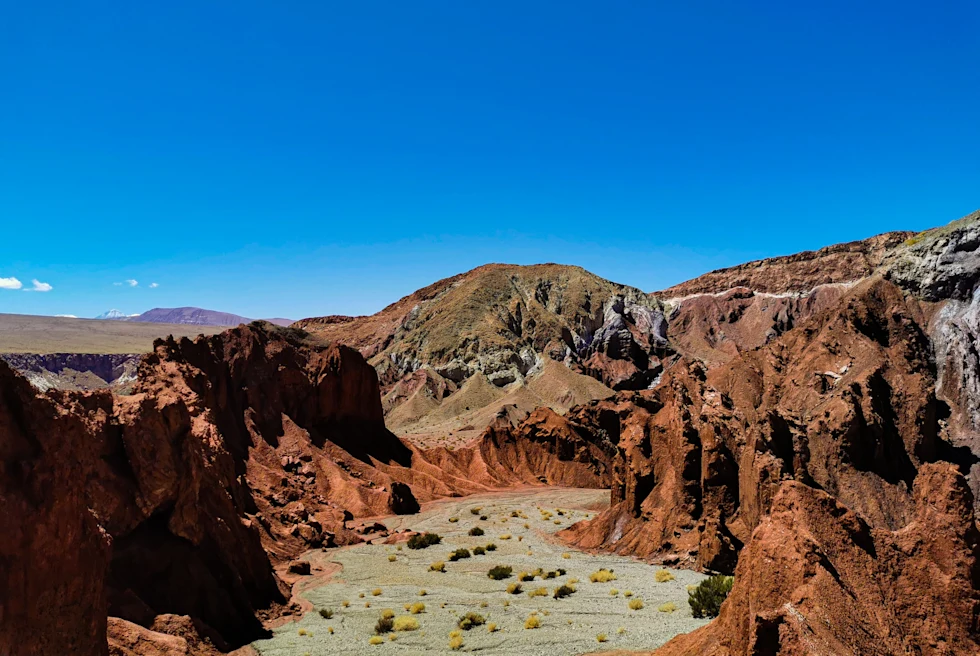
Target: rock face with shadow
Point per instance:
(171, 510)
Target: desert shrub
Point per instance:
(621, 630)
(491, 547)
(376, 640)
(484, 604)
(326, 613)
(601, 637)
(376, 592)
(455, 643)
(500, 572)
(471, 620)
(476, 531)
(572, 581)
(423, 540)
(566, 555)
(459, 554)
(525, 576)
(613, 592)
(453, 520)
(422, 592)
(479, 551)
(385, 625)
(483, 518)
(367, 604)
(662, 576)
(330, 630)
(557, 522)
(475, 511)
(360, 595)
(387, 613)
(563, 591)
(505, 536)
(392, 558)
(491, 627)
(636, 604)
(550, 575)
(303, 632)
(345, 603)
(416, 608)
(669, 607)
(538, 592)
(455, 633)
(438, 566)
(392, 637)
(514, 588)
(628, 594)
(602, 576)
(706, 599)
(532, 622)
(406, 623)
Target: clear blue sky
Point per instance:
(304, 158)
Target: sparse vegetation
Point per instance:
(376, 592)
(345, 603)
(376, 640)
(471, 620)
(392, 558)
(385, 624)
(416, 608)
(483, 518)
(635, 604)
(476, 531)
(459, 554)
(505, 536)
(538, 592)
(437, 566)
(326, 613)
(563, 591)
(706, 599)
(491, 627)
(500, 572)
(475, 511)
(422, 592)
(406, 623)
(602, 576)
(514, 588)
(479, 551)
(628, 594)
(613, 592)
(491, 547)
(453, 520)
(662, 576)
(668, 607)
(601, 637)
(532, 622)
(423, 540)
(303, 632)
(566, 555)
(455, 643)
(525, 576)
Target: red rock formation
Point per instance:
(236, 453)
(845, 403)
(817, 579)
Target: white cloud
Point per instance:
(66, 316)
(39, 286)
(153, 285)
(10, 283)
(131, 283)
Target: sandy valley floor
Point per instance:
(369, 583)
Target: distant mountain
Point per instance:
(195, 316)
(115, 315)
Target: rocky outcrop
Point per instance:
(798, 273)
(503, 323)
(845, 403)
(76, 371)
(817, 579)
(169, 509)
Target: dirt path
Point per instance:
(568, 626)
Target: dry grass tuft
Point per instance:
(601, 637)
(416, 608)
(538, 592)
(438, 566)
(669, 607)
(602, 576)
(406, 623)
(662, 576)
(636, 604)
(532, 622)
(376, 640)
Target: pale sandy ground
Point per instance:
(568, 626)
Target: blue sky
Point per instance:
(307, 158)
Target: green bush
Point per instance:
(479, 551)
(423, 540)
(326, 613)
(459, 554)
(491, 547)
(476, 531)
(707, 597)
(500, 572)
